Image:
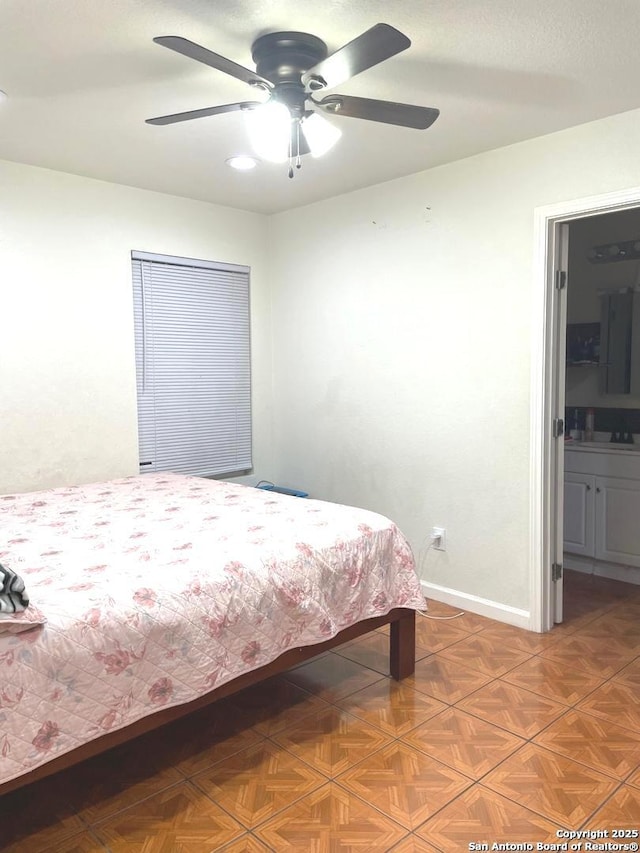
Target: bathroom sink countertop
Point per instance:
(601, 446)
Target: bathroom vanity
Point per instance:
(602, 508)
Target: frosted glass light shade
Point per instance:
(269, 127)
(320, 134)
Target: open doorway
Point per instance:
(601, 506)
(554, 385)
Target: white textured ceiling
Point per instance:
(82, 75)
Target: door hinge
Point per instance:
(561, 279)
(556, 572)
(558, 427)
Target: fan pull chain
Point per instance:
(298, 158)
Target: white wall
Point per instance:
(67, 372)
(402, 345)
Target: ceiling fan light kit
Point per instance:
(320, 134)
(269, 129)
(290, 68)
(276, 137)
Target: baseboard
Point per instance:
(613, 571)
(481, 606)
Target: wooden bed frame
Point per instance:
(402, 644)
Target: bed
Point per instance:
(154, 595)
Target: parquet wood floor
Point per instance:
(553, 679)
(471, 745)
(426, 784)
(373, 651)
(500, 736)
(551, 785)
(393, 706)
(595, 742)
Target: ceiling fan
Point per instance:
(291, 68)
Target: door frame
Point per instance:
(545, 357)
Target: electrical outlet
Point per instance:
(439, 538)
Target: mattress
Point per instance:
(159, 588)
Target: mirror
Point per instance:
(616, 314)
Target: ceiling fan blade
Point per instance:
(207, 111)
(373, 46)
(388, 112)
(214, 60)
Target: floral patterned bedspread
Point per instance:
(158, 588)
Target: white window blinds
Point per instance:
(193, 365)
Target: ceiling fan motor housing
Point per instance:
(283, 58)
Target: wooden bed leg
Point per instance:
(403, 646)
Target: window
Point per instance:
(192, 365)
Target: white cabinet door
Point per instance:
(579, 504)
(617, 514)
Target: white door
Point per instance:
(560, 255)
(579, 514)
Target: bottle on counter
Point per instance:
(575, 432)
(589, 425)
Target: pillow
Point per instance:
(24, 620)
(15, 613)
